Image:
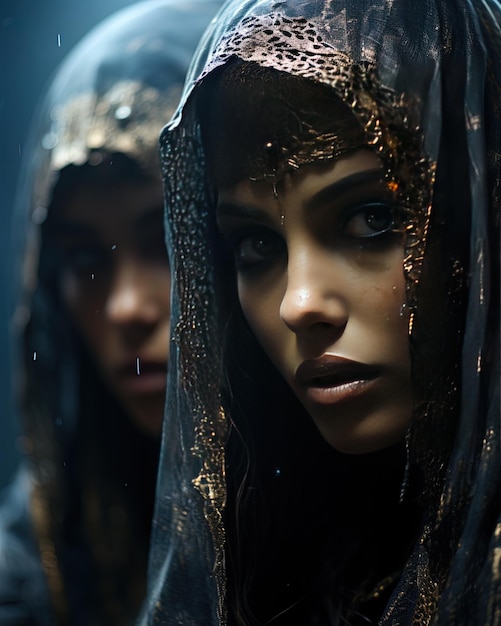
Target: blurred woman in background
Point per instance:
(92, 325)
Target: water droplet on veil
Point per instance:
(123, 112)
(49, 141)
(39, 215)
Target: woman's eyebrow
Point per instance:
(340, 187)
(72, 228)
(232, 209)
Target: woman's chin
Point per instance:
(361, 440)
(147, 413)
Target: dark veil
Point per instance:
(424, 80)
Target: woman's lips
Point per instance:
(332, 379)
(143, 377)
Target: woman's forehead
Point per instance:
(111, 213)
(259, 122)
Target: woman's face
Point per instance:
(116, 285)
(321, 284)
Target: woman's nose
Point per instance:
(314, 295)
(131, 297)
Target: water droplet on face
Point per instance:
(403, 308)
(138, 370)
(394, 288)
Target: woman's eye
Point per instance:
(257, 247)
(370, 220)
(152, 247)
(85, 260)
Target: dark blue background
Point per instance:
(29, 53)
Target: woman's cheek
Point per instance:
(260, 302)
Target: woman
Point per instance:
(331, 447)
(94, 321)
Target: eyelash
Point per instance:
(390, 213)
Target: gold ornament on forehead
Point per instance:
(127, 119)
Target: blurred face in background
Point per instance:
(116, 285)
